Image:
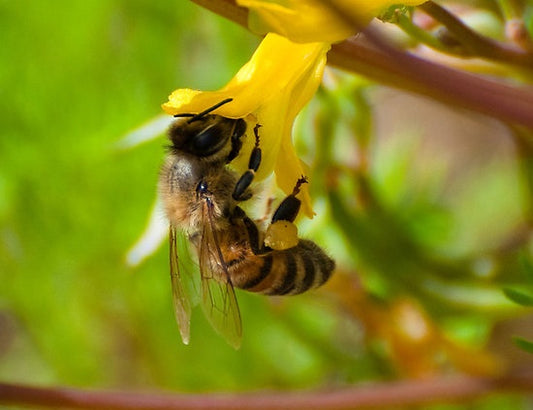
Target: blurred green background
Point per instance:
(78, 76)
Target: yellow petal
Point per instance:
(306, 21)
(300, 21)
(275, 66)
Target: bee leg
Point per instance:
(236, 142)
(290, 206)
(241, 191)
(268, 211)
(251, 228)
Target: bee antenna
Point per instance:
(199, 116)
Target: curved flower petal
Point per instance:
(300, 21)
(270, 90)
(310, 20)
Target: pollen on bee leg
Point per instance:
(281, 235)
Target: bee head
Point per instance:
(201, 138)
(205, 134)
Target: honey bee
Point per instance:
(200, 196)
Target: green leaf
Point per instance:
(524, 344)
(524, 298)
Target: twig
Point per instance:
(406, 24)
(476, 43)
(408, 72)
(370, 396)
(227, 9)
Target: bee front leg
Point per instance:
(241, 191)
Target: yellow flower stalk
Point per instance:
(311, 20)
(280, 78)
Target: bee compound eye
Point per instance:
(201, 188)
(208, 141)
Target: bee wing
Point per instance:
(218, 296)
(182, 305)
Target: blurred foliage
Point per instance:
(426, 210)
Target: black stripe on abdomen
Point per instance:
(310, 273)
(263, 273)
(289, 276)
(326, 265)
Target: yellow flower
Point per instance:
(270, 90)
(311, 20)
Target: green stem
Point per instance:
(407, 25)
(524, 145)
(510, 9)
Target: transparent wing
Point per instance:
(182, 304)
(218, 296)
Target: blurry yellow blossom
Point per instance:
(280, 78)
(311, 20)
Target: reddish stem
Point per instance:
(402, 70)
(370, 396)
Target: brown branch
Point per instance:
(507, 103)
(369, 396)
(405, 71)
(227, 9)
(402, 70)
(474, 42)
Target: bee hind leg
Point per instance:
(290, 206)
(282, 233)
(241, 191)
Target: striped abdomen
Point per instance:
(286, 272)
